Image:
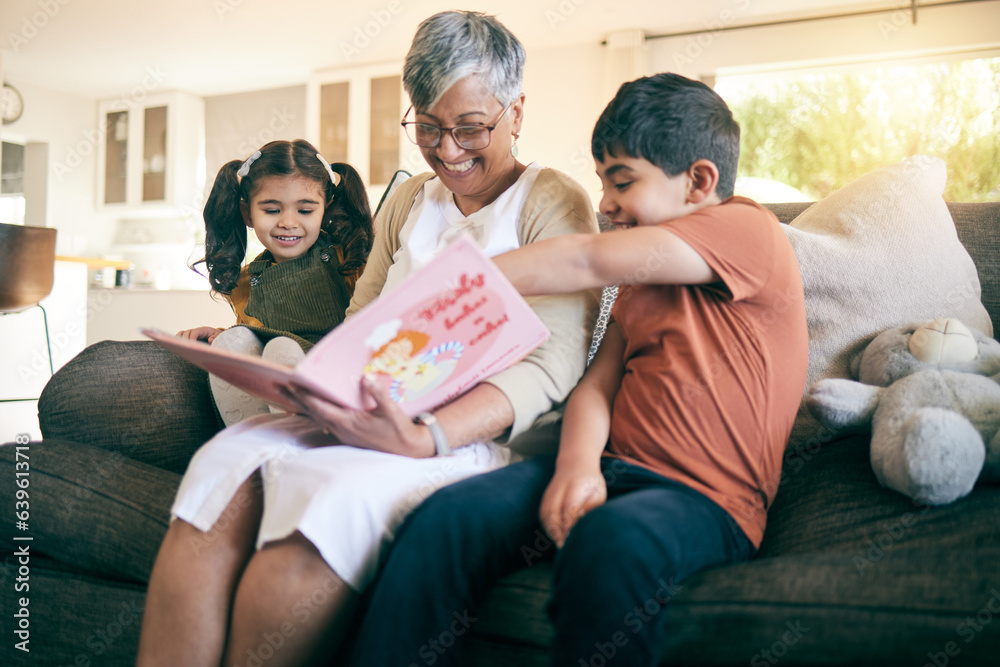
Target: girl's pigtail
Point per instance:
(225, 230)
(350, 219)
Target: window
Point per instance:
(818, 131)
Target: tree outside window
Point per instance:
(818, 131)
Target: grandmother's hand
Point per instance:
(385, 427)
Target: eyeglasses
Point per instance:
(469, 137)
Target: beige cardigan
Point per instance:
(555, 205)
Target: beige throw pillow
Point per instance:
(880, 252)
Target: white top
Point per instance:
(435, 220)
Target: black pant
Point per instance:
(617, 570)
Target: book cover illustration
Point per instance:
(450, 325)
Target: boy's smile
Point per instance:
(637, 192)
(286, 213)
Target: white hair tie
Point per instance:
(334, 176)
(245, 167)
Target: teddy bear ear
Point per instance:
(854, 365)
(855, 355)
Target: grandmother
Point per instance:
(279, 526)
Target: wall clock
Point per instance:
(11, 103)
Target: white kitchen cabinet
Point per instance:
(353, 116)
(118, 314)
(151, 154)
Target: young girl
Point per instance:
(316, 225)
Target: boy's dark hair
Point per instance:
(672, 121)
(347, 217)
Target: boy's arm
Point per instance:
(578, 485)
(649, 255)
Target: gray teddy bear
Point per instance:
(930, 393)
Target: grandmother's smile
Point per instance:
(459, 167)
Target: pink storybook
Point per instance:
(451, 324)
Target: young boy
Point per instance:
(671, 444)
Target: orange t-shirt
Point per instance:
(714, 373)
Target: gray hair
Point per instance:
(452, 45)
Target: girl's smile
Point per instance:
(286, 213)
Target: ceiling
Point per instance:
(104, 48)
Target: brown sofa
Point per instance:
(849, 573)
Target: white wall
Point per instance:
(237, 125)
(564, 94)
(68, 123)
(962, 28)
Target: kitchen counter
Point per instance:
(97, 262)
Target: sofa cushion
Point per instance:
(843, 561)
(131, 397)
(880, 252)
(76, 619)
(978, 230)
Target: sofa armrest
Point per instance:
(134, 398)
(91, 510)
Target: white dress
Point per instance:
(348, 501)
